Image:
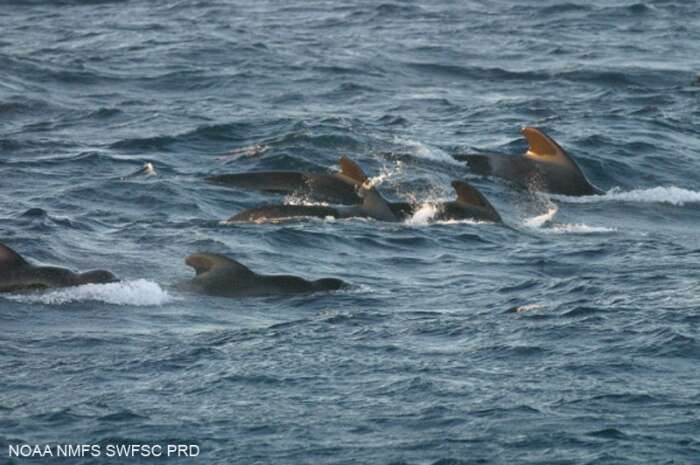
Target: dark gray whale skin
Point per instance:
(17, 275)
(327, 187)
(274, 212)
(222, 276)
(544, 167)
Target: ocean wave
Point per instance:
(671, 195)
(538, 223)
(420, 150)
(475, 72)
(578, 228)
(140, 292)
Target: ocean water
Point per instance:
(567, 335)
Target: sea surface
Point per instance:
(567, 335)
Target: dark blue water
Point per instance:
(568, 336)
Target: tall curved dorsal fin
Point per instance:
(352, 171)
(9, 259)
(469, 195)
(543, 148)
(204, 262)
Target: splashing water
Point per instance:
(302, 199)
(387, 172)
(540, 220)
(140, 293)
(423, 215)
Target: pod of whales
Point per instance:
(222, 276)
(17, 275)
(470, 204)
(544, 167)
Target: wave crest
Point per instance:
(140, 293)
(672, 195)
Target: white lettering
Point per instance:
(183, 450)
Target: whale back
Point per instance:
(223, 276)
(207, 262)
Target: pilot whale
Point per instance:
(470, 204)
(17, 275)
(327, 187)
(219, 275)
(544, 167)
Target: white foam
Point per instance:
(298, 198)
(140, 293)
(149, 170)
(578, 229)
(528, 308)
(672, 195)
(423, 215)
(539, 220)
(250, 151)
(462, 221)
(387, 172)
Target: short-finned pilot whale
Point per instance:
(219, 275)
(470, 204)
(327, 187)
(544, 167)
(17, 275)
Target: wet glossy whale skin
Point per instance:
(569, 335)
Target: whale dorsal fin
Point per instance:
(9, 259)
(374, 205)
(205, 262)
(469, 195)
(351, 170)
(543, 148)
